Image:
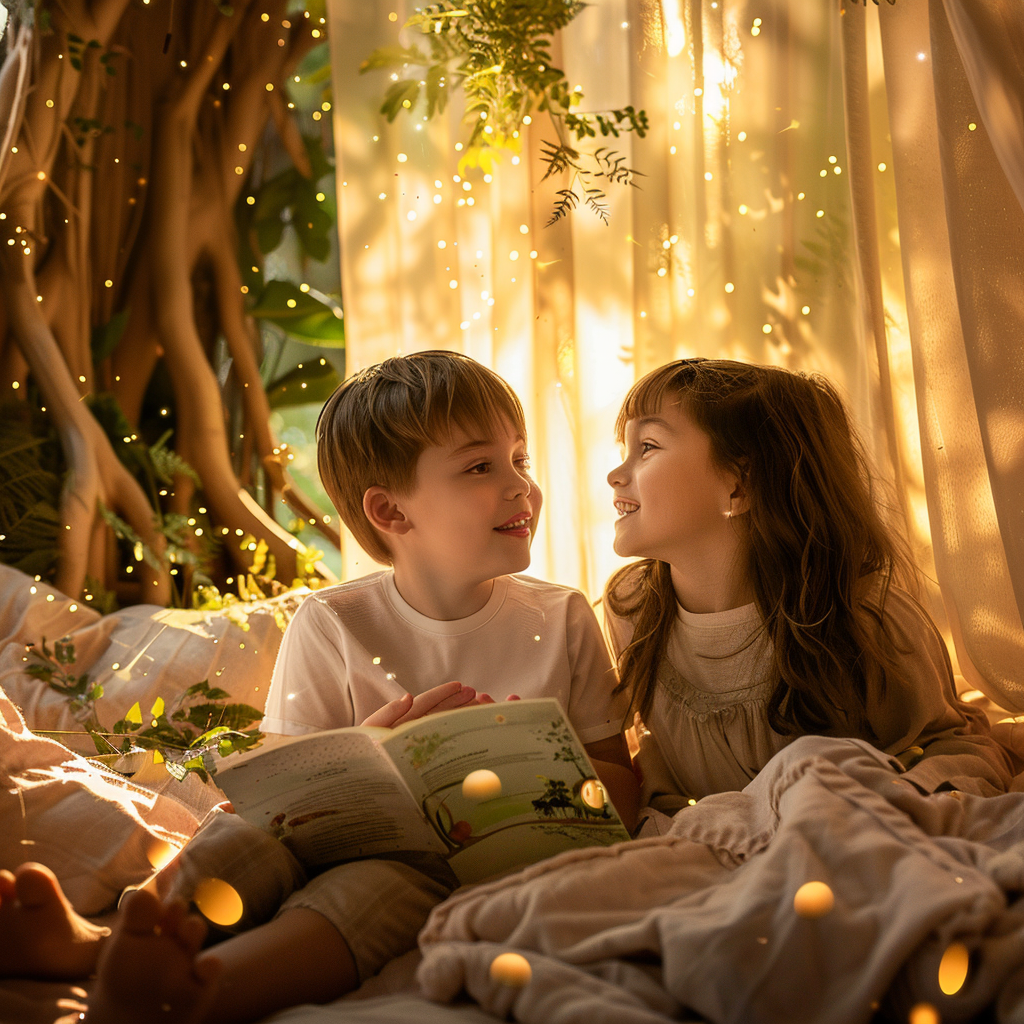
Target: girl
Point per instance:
(770, 600)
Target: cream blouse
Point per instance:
(708, 729)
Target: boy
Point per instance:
(424, 457)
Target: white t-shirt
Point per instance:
(354, 647)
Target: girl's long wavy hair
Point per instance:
(821, 560)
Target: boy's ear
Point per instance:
(380, 508)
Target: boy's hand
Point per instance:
(407, 708)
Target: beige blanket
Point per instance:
(701, 920)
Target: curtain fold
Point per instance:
(830, 187)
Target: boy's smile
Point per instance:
(517, 526)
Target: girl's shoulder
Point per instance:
(896, 609)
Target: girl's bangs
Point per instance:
(646, 396)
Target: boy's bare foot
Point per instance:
(41, 935)
(148, 969)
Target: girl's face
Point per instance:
(674, 503)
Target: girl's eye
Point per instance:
(480, 468)
(523, 462)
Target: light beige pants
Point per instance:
(378, 905)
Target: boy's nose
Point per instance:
(617, 476)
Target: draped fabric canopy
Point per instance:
(826, 186)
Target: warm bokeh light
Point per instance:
(482, 784)
(953, 968)
(511, 969)
(160, 853)
(218, 901)
(592, 794)
(923, 1013)
(813, 899)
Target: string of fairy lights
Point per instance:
(814, 899)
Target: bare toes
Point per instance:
(191, 933)
(141, 912)
(35, 885)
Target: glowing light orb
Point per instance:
(482, 784)
(592, 794)
(160, 853)
(813, 899)
(923, 1013)
(218, 901)
(953, 968)
(511, 969)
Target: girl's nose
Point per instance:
(617, 476)
(519, 485)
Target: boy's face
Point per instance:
(470, 510)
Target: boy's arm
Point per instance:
(615, 770)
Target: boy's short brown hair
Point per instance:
(374, 427)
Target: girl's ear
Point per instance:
(383, 512)
(739, 499)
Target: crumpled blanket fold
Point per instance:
(711, 904)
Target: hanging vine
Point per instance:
(498, 53)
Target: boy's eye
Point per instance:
(647, 446)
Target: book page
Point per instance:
(327, 796)
(541, 797)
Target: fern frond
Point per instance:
(564, 206)
(124, 531)
(167, 463)
(558, 158)
(595, 202)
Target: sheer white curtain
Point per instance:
(756, 233)
(952, 76)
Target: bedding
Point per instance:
(694, 921)
(97, 830)
(701, 920)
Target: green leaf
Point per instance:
(395, 98)
(392, 57)
(437, 94)
(166, 465)
(106, 336)
(313, 224)
(299, 314)
(318, 159)
(203, 739)
(320, 382)
(268, 234)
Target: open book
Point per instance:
(531, 790)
